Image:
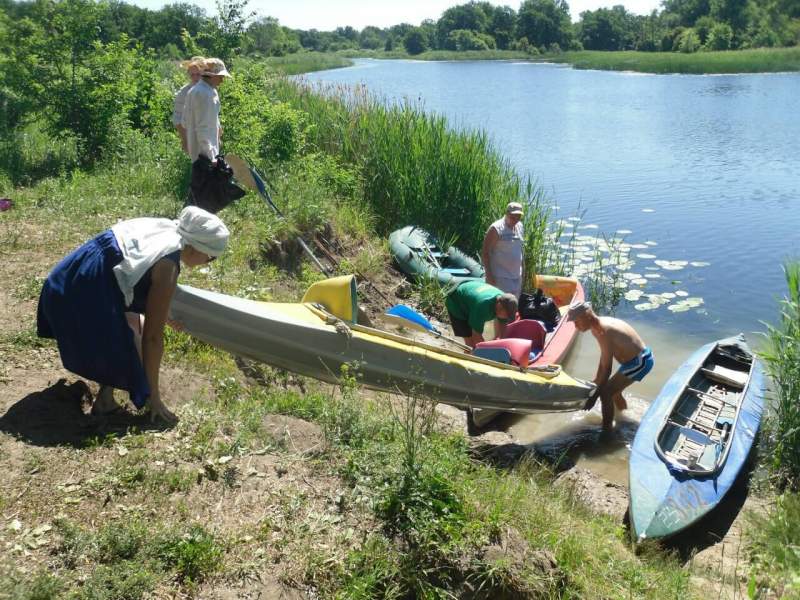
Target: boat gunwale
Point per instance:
(720, 462)
(535, 370)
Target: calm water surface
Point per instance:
(704, 168)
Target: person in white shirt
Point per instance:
(502, 254)
(201, 112)
(194, 69)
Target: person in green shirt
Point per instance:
(473, 303)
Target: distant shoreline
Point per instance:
(760, 60)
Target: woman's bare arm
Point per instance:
(164, 279)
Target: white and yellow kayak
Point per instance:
(316, 337)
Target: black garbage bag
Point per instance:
(539, 307)
(212, 186)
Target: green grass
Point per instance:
(760, 60)
(782, 358)
(774, 541)
(422, 511)
(306, 62)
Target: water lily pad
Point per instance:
(633, 295)
(631, 276)
(698, 263)
(590, 226)
(694, 302)
(645, 306)
(573, 218)
(640, 281)
(668, 295)
(657, 299)
(653, 275)
(681, 293)
(651, 243)
(623, 231)
(645, 256)
(671, 265)
(679, 308)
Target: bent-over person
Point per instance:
(618, 341)
(472, 304)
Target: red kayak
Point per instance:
(555, 345)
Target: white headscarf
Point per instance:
(145, 241)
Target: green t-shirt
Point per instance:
(473, 301)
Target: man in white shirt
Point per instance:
(194, 69)
(502, 255)
(201, 112)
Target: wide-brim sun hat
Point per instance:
(214, 66)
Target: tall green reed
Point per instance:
(782, 358)
(415, 167)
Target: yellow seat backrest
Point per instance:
(338, 295)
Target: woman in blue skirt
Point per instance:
(106, 303)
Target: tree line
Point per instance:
(82, 66)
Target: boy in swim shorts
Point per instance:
(617, 340)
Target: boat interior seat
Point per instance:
(519, 349)
(709, 457)
(528, 329)
(500, 355)
(731, 377)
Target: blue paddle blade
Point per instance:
(259, 182)
(406, 313)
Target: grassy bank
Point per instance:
(306, 62)
(761, 60)
(775, 536)
(270, 477)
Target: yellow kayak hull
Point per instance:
(303, 338)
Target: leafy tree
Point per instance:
(464, 39)
(545, 22)
(371, 38)
(415, 42)
(502, 22)
(688, 11)
(733, 12)
(225, 35)
(688, 41)
(470, 16)
(267, 37)
(605, 29)
(720, 37)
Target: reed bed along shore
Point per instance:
(759, 60)
(415, 168)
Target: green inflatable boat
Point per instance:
(418, 254)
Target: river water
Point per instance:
(698, 175)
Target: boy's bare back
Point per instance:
(619, 338)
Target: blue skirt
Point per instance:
(83, 309)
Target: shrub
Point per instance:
(688, 41)
(720, 37)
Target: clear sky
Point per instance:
(327, 15)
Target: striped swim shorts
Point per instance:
(639, 366)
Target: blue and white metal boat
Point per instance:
(695, 438)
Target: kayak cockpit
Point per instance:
(698, 428)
